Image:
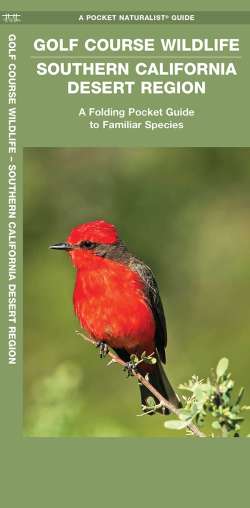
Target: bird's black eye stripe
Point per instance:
(87, 244)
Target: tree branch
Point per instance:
(164, 402)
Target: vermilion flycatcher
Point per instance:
(117, 301)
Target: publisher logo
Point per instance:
(11, 17)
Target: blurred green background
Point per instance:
(186, 213)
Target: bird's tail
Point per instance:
(158, 379)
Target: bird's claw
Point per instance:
(103, 348)
(130, 368)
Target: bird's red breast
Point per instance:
(110, 303)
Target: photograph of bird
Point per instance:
(117, 301)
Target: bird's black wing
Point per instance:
(119, 252)
(153, 296)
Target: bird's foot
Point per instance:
(130, 368)
(103, 348)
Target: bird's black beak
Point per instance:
(61, 246)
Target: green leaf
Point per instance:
(222, 367)
(134, 359)
(206, 388)
(240, 395)
(198, 392)
(149, 360)
(236, 418)
(175, 425)
(153, 361)
(150, 402)
(216, 425)
(185, 414)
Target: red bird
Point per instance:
(117, 301)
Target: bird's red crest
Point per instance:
(98, 231)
